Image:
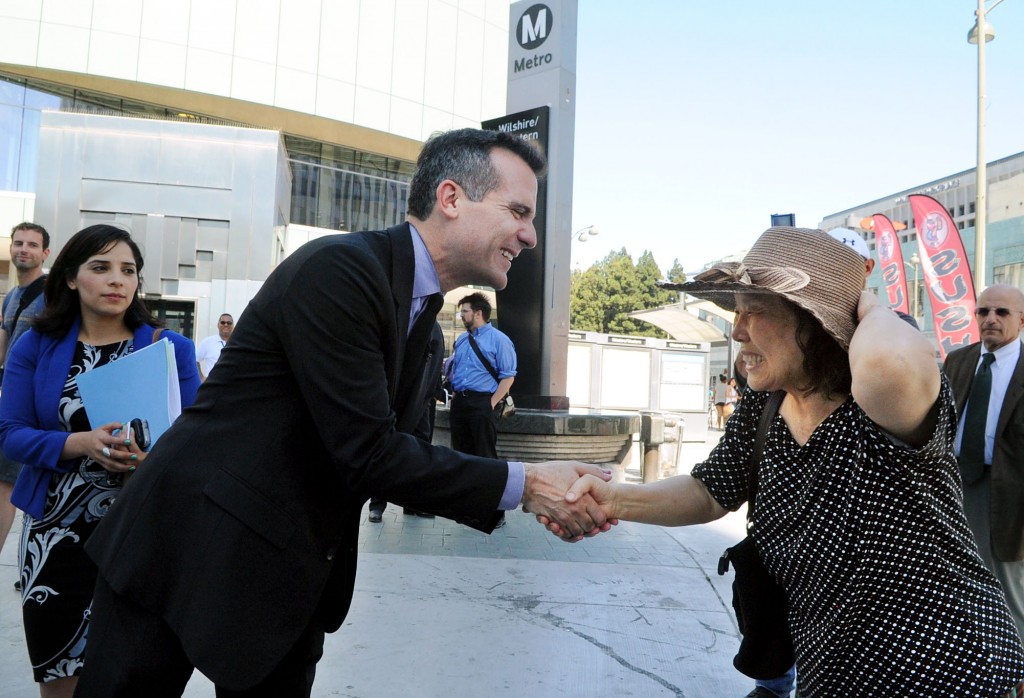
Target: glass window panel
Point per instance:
(38, 99)
(28, 163)
(10, 143)
(11, 92)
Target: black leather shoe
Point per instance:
(376, 516)
(17, 585)
(501, 523)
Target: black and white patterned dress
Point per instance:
(56, 575)
(887, 594)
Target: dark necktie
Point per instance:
(972, 442)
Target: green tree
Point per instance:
(602, 296)
(677, 276)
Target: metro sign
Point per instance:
(534, 26)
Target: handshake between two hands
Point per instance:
(571, 499)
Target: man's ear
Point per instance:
(449, 193)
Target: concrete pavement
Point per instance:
(442, 610)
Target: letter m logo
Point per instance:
(534, 26)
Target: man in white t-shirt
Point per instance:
(208, 350)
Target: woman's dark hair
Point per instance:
(826, 363)
(62, 302)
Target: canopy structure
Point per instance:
(683, 325)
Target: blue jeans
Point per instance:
(781, 686)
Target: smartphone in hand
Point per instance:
(140, 430)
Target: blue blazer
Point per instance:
(30, 430)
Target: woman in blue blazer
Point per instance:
(94, 315)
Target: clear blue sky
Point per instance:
(697, 120)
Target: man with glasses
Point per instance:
(483, 370)
(988, 384)
(209, 349)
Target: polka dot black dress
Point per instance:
(887, 593)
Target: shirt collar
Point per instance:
(1005, 355)
(425, 281)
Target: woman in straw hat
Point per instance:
(858, 513)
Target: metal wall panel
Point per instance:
(202, 201)
(203, 163)
(120, 196)
(120, 156)
(194, 202)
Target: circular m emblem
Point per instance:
(534, 26)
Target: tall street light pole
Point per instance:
(980, 34)
(915, 262)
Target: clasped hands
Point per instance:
(567, 498)
(112, 445)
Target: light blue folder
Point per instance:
(143, 385)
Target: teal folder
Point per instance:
(143, 385)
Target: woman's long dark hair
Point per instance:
(826, 363)
(62, 302)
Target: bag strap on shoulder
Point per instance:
(30, 293)
(771, 409)
(483, 359)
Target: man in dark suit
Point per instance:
(994, 476)
(425, 428)
(233, 548)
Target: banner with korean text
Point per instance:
(891, 257)
(947, 274)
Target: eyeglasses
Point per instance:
(1001, 312)
(226, 322)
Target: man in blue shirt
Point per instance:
(474, 419)
(30, 246)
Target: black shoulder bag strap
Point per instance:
(771, 409)
(483, 359)
(31, 292)
(766, 648)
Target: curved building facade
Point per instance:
(351, 88)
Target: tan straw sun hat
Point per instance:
(807, 267)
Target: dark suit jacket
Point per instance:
(243, 521)
(1008, 456)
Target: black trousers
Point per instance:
(474, 425)
(132, 652)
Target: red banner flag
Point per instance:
(891, 256)
(947, 274)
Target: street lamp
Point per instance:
(583, 233)
(983, 28)
(915, 262)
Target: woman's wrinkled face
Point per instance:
(766, 328)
